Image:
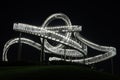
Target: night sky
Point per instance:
(98, 20)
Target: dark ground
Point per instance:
(61, 70)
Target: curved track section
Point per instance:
(67, 22)
(70, 52)
(42, 32)
(16, 40)
(109, 52)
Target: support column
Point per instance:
(42, 55)
(19, 47)
(112, 66)
(64, 54)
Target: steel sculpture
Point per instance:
(78, 45)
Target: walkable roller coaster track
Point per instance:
(71, 37)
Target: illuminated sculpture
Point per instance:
(72, 38)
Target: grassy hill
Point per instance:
(52, 71)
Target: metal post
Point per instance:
(84, 56)
(112, 66)
(64, 54)
(19, 47)
(42, 56)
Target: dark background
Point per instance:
(99, 20)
